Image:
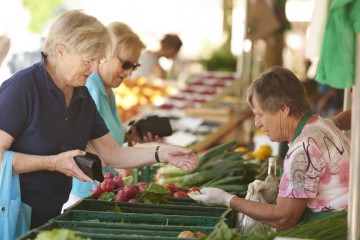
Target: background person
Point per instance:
(47, 106)
(316, 166)
(170, 46)
(342, 120)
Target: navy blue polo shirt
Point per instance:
(33, 111)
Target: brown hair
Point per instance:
(171, 41)
(279, 87)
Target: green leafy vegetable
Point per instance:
(59, 234)
(128, 180)
(107, 196)
(154, 194)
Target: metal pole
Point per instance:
(347, 106)
(353, 212)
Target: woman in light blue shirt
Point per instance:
(112, 72)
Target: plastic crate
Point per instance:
(186, 201)
(102, 225)
(147, 174)
(116, 231)
(125, 207)
(137, 218)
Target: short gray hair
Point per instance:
(279, 87)
(79, 33)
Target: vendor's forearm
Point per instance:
(281, 216)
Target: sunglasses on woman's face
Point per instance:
(127, 64)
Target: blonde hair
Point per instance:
(126, 39)
(79, 33)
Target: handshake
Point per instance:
(266, 192)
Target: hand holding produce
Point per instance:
(266, 192)
(212, 196)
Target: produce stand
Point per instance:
(103, 220)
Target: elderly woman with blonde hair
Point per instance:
(47, 106)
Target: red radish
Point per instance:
(121, 197)
(119, 182)
(133, 200)
(107, 185)
(171, 187)
(180, 194)
(194, 189)
(97, 191)
(109, 175)
(141, 188)
(131, 191)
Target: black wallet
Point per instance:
(90, 164)
(155, 125)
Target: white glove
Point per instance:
(212, 196)
(267, 192)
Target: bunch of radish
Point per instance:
(113, 188)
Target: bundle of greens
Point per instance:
(220, 167)
(331, 227)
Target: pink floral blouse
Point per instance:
(316, 166)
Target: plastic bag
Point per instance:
(15, 216)
(246, 225)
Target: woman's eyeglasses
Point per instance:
(127, 64)
(90, 63)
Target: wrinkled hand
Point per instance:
(267, 192)
(212, 196)
(65, 163)
(178, 156)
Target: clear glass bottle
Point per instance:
(270, 195)
(271, 177)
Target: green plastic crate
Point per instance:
(147, 174)
(125, 207)
(137, 218)
(116, 231)
(100, 225)
(186, 201)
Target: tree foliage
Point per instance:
(40, 11)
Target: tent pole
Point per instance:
(353, 211)
(347, 106)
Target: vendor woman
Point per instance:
(316, 166)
